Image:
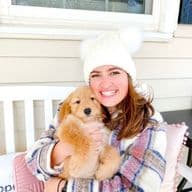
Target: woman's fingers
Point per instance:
(54, 184)
(94, 130)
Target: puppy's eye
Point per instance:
(92, 98)
(61, 103)
(77, 102)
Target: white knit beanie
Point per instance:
(111, 48)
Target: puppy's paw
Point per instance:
(76, 169)
(103, 172)
(109, 163)
(79, 167)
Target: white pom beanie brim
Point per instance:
(108, 49)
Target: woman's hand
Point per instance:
(95, 130)
(54, 184)
(60, 152)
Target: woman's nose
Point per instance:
(105, 81)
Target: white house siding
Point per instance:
(167, 67)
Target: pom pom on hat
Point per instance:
(111, 48)
(132, 37)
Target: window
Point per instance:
(77, 19)
(127, 6)
(185, 15)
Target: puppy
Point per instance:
(79, 108)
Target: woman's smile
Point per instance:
(108, 93)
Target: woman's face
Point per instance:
(110, 84)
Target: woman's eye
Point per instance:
(114, 73)
(94, 75)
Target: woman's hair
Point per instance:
(135, 112)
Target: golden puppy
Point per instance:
(78, 109)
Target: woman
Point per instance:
(136, 133)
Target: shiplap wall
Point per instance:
(167, 67)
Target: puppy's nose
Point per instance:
(87, 111)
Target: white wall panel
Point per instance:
(34, 69)
(164, 88)
(164, 68)
(176, 48)
(173, 103)
(38, 48)
(15, 70)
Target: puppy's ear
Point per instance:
(64, 110)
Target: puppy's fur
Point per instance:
(78, 109)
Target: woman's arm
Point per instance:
(38, 157)
(58, 154)
(45, 157)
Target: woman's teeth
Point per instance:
(108, 93)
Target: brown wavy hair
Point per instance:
(135, 113)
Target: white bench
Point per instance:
(28, 94)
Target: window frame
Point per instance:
(20, 21)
